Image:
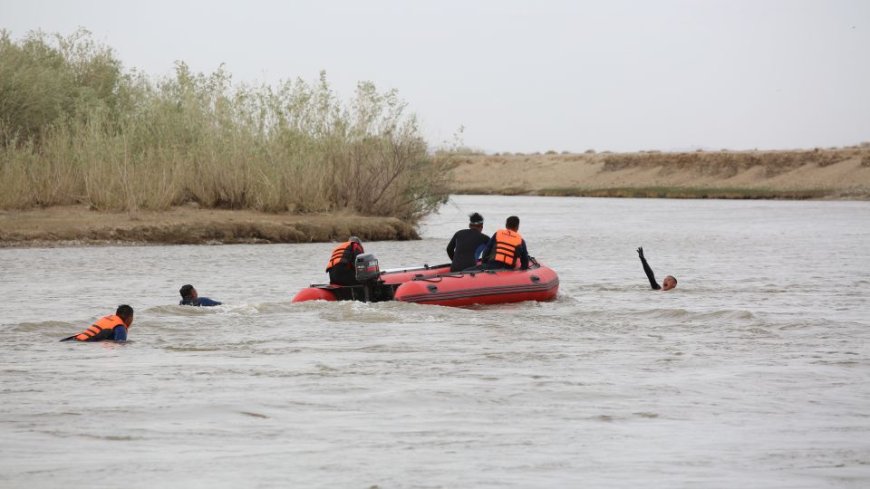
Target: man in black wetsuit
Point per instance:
(465, 246)
(667, 284)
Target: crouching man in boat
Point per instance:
(505, 246)
(190, 297)
(109, 328)
(668, 283)
(341, 263)
(467, 245)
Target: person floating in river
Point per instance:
(466, 246)
(190, 297)
(505, 246)
(341, 263)
(109, 328)
(668, 283)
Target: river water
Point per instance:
(754, 372)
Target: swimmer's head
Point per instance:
(187, 292)
(669, 282)
(125, 312)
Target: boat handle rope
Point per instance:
(453, 275)
(439, 278)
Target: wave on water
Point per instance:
(680, 313)
(361, 312)
(174, 346)
(738, 314)
(279, 307)
(179, 310)
(228, 310)
(92, 436)
(176, 310)
(44, 327)
(668, 313)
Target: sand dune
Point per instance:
(830, 173)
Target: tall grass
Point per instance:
(74, 128)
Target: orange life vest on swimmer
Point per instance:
(343, 253)
(102, 329)
(506, 244)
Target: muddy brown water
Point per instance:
(753, 373)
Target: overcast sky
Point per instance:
(533, 75)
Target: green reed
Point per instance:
(76, 129)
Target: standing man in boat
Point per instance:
(341, 263)
(668, 283)
(505, 246)
(190, 297)
(109, 328)
(467, 245)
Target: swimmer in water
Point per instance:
(190, 297)
(668, 283)
(110, 328)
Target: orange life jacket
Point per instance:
(506, 244)
(342, 253)
(102, 329)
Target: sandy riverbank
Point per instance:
(76, 225)
(814, 174)
(842, 173)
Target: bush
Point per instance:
(45, 79)
(75, 129)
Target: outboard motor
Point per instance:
(366, 266)
(367, 274)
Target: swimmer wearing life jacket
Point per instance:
(109, 328)
(668, 283)
(505, 247)
(341, 263)
(190, 297)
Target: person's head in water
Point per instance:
(354, 239)
(188, 292)
(475, 221)
(512, 223)
(669, 282)
(125, 312)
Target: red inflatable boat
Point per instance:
(538, 283)
(438, 285)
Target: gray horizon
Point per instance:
(553, 76)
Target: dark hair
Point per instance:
(124, 311)
(512, 222)
(186, 291)
(475, 218)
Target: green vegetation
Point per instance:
(683, 193)
(730, 163)
(656, 192)
(75, 128)
(514, 190)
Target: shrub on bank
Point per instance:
(76, 129)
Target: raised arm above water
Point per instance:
(648, 271)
